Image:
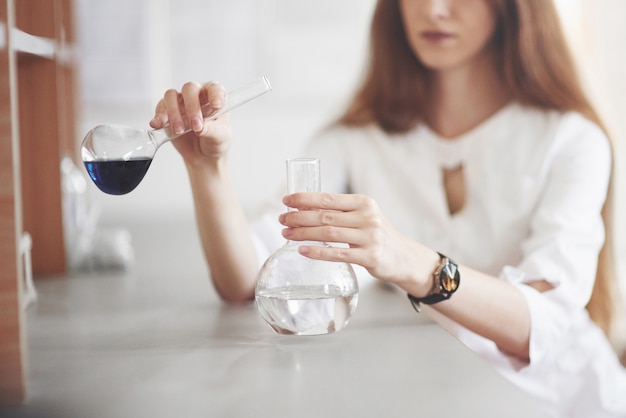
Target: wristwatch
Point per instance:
(446, 281)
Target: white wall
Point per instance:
(312, 52)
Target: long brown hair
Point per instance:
(536, 67)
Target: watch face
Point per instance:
(449, 277)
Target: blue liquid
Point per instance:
(117, 176)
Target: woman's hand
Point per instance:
(208, 140)
(372, 241)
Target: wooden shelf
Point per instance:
(31, 44)
(12, 342)
(45, 89)
(37, 129)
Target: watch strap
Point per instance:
(437, 296)
(428, 300)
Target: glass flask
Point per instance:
(118, 157)
(297, 295)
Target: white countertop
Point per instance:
(156, 342)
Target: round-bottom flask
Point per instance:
(297, 295)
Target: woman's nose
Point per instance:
(438, 9)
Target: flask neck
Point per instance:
(161, 136)
(303, 175)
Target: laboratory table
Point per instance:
(155, 341)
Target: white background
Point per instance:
(312, 53)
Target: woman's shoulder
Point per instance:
(547, 139)
(552, 130)
(554, 123)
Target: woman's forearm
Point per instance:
(224, 232)
(492, 308)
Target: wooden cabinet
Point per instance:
(37, 128)
(11, 319)
(46, 123)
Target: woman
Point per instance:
(470, 136)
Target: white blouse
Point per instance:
(535, 185)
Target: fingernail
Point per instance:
(217, 103)
(179, 128)
(196, 124)
(282, 218)
(287, 232)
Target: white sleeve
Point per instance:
(566, 231)
(267, 233)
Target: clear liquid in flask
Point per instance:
(309, 310)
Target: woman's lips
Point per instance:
(436, 36)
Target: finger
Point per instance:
(191, 95)
(173, 101)
(213, 96)
(329, 201)
(160, 116)
(347, 255)
(320, 217)
(351, 236)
